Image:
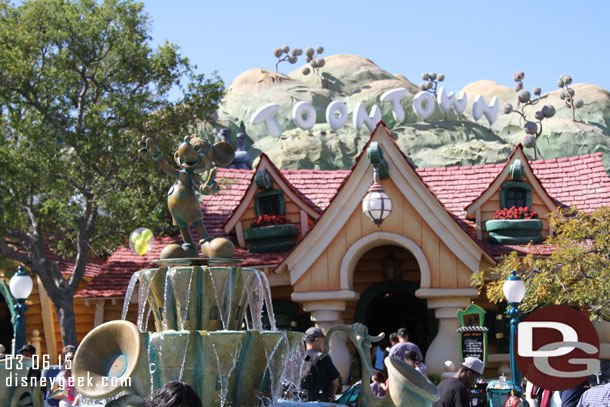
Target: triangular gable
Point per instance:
(350, 196)
(496, 184)
(287, 188)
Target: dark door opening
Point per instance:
(385, 307)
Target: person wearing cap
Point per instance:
(27, 351)
(403, 346)
(454, 391)
(319, 376)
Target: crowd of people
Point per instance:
(320, 378)
(453, 391)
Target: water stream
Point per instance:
(246, 292)
(128, 294)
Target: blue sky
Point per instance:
(465, 40)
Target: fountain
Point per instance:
(197, 311)
(200, 307)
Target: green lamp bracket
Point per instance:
(376, 158)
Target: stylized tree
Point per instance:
(524, 99)
(315, 62)
(284, 54)
(567, 94)
(431, 81)
(577, 273)
(79, 85)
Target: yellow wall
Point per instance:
(445, 268)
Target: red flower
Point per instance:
(516, 213)
(269, 220)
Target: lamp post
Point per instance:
(376, 205)
(20, 285)
(514, 291)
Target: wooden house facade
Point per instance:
(414, 270)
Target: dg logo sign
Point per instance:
(557, 348)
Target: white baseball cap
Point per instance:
(474, 364)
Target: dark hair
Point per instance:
(310, 339)
(379, 376)
(68, 349)
(173, 394)
(411, 356)
(393, 337)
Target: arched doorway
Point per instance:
(387, 306)
(387, 277)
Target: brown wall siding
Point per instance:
(293, 212)
(113, 311)
(33, 318)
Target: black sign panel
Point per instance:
(473, 344)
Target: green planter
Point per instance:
(514, 231)
(270, 239)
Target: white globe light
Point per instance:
(514, 289)
(21, 285)
(377, 205)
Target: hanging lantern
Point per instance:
(377, 205)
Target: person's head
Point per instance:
(378, 377)
(393, 338)
(27, 351)
(173, 394)
(403, 335)
(314, 339)
(67, 354)
(470, 371)
(411, 358)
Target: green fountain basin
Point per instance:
(230, 368)
(201, 297)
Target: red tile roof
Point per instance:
(319, 186)
(66, 266)
(579, 181)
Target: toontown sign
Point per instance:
(304, 114)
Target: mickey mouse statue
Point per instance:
(195, 155)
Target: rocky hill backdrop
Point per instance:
(438, 141)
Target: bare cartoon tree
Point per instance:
(284, 54)
(567, 94)
(533, 130)
(430, 82)
(315, 62)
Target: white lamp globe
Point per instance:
(377, 206)
(514, 288)
(21, 284)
